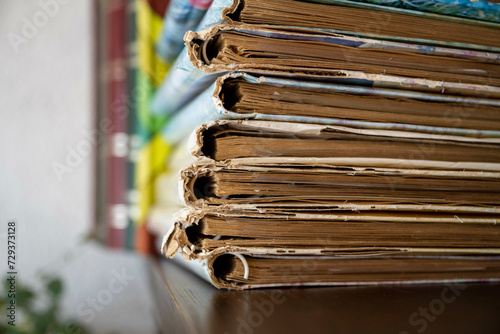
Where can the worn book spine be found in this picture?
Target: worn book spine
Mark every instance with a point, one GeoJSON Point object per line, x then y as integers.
{"type": "Point", "coordinates": [176, 239]}
{"type": "Point", "coordinates": [202, 138]}
{"type": "Point", "coordinates": [379, 10]}
{"type": "Point", "coordinates": [204, 267]}
{"type": "Point", "coordinates": [192, 193]}
{"type": "Point", "coordinates": [197, 44]}
{"type": "Point", "coordinates": [196, 179]}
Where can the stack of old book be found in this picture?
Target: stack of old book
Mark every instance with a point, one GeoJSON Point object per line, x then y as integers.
{"type": "Point", "coordinates": [343, 142]}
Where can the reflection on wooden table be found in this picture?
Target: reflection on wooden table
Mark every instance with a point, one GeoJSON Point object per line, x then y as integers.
{"type": "Point", "coordinates": [186, 303]}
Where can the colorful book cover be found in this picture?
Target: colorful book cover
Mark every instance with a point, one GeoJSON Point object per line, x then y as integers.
{"type": "Point", "coordinates": [153, 150]}
{"type": "Point", "coordinates": [182, 15]}
{"type": "Point", "coordinates": [159, 6]}
{"type": "Point", "coordinates": [150, 155]}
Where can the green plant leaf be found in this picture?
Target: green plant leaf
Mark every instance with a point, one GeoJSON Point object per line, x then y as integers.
{"type": "Point", "coordinates": [55, 287]}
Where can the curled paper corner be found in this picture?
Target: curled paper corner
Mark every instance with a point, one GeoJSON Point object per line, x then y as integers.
{"type": "Point", "coordinates": [170, 243]}
{"type": "Point", "coordinates": [245, 264]}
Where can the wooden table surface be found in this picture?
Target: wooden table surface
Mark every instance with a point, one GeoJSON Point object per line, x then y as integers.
{"type": "Point", "coordinates": [186, 303]}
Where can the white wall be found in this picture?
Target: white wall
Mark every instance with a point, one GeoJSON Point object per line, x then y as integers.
{"type": "Point", "coordinates": [45, 107]}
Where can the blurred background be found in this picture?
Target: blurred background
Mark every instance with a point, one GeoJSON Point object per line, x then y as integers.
{"type": "Point", "coordinates": [46, 110]}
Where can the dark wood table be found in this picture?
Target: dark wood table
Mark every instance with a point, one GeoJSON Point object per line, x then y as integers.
{"type": "Point", "coordinates": [186, 303]}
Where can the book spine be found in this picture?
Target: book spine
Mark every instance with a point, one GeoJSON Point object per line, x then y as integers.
{"type": "Point", "coordinates": [159, 6]}
{"type": "Point", "coordinates": [117, 116]}
{"type": "Point", "coordinates": [142, 136]}
{"type": "Point", "coordinates": [182, 15]}
{"type": "Point", "coordinates": [182, 84]}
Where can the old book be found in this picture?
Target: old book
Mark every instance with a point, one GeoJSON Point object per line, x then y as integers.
{"type": "Point", "coordinates": [229, 47]}
{"type": "Point", "coordinates": [329, 101]}
{"type": "Point", "coordinates": [303, 232]}
{"type": "Point", "coordinates": [237, 271]}
{"type": "Point", "coordinates": [388, 22]}
{"type": "Point", "coordinates": [264, 141]}
{"type": "Point", "coordinates": [256, 268]}
{"type": "Point", "coordinates": [294, 184]}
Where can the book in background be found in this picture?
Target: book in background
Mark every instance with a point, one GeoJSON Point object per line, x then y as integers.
{"type": "Point", "coordinates": [147, 156]}
{"type": "Point", "coordinates": [182, 16]}
{"type": "Point", "coordinates": [133, 155]}
{"type": "Point", "coordinates": [154, 65]}
{"type": "Point", "coordinates": [117, 113]}
{"type": "Point", "coordinates": [133, 124]}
